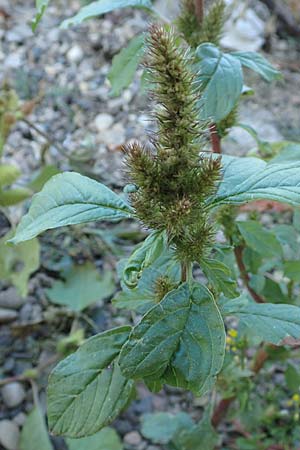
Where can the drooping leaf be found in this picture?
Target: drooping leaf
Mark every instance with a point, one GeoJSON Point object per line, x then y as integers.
{"type": "Point", "coordinates": [248, 179]}
{"type": "Point", "coordinates": [259, 64]}
{"type": "Point", "coordinates": [34, 432]}
{"type": "Point", "coordinates": [43, 176]}
{"type": "Point", "coordinates": [83, 286]}
{"type": "Point", "coordinates": [18, 263]}
{"type": "Point", "coordinates": [125, 64]}
{"type": "Point", "coordinates": [221, 77]}
{"type": "Point", "coordinates": [220, 276]}
{"type": "Point", "coordinates": [260, 240]}
{"type": "Point", "coordinates": [86, 390]}
{"type": "Point", "coordinates": [106, 439]}
{"type": "Point", "coordinates": [160, 428]}
{"type": "Point", "coordinates": [100, 7]}
{"type": "Point", "coordinates": [12, 197]}
{"type": "Point", "coordinates": [8, 174]}
{"type": "Point", "coordinates": [269, 322]}
{"type": "Point", "coordinates": [68, 199]}
{"type": "Point", "coordinates": [41, 6]}
{"type": "Point", "coordinates": [180, 340]}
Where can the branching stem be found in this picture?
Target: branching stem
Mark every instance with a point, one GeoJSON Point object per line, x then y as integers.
{"type": "Point", "coordinates": [238, 252]}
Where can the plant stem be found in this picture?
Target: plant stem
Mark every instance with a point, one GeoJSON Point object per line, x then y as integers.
{"type": "Point", "coordinates": [215, 139]}
{"type": "Point", "coordinates": [199, 10]}
{"type": "Point", "coordinates": [221, 411]}
{"type": "Point", "coordinates": [184, 272]}
{"type": "Point", "coordinates": [238, 251]}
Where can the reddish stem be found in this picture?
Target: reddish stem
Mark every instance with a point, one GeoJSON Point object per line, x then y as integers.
{"type": "Point", "coordinates": [221, 411]}
{"type": "Point", "coordinates": [199, 10]}
{"type": "Point", "coordinates": [215, 139]}
{"type": "Point", "coordinates": [238, 251]}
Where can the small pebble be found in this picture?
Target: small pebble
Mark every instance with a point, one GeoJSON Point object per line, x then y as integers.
{"type": "Point", "coordinates": [103, 121]}
{"type": "Point", "coordinates": [7, 315]}
{"type": "Point", "coordinates": [20, 419]}
{"type": "Point", "coordinates": [13, 394]}
{"type": "Point", "coordinates": [9, 434]}
{"type": "Point", "coordinates": [133, 438]}
{"type": "Point", "coordinates": [75, 54]}
{"type": "Point", "coordinates": [11, 299]}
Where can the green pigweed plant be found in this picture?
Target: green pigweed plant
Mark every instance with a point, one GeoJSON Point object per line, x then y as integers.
{"type": "Point", "coordinates": [182, 193]}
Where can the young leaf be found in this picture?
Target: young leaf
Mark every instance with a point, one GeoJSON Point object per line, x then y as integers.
{"type": "Point", "coordinates": [35, 433]}
{"type": "Point", "coordinates": [8, 174]}
{"type": "Point", "coordinates": [18, 263]}
{"type": "Point", "coordinates": [220, 276]}
{"type": "Point", "coordinates": [41, 6]}
{"type": "Point", "coordinates": [221, 77]}
{"type": "Point", "coordinates": [259, 64]}
{"type": "Point", "coordinates": [68, 199]}
{"type": "Point", "coordinates": [106, 439]}
{"type": "Point", "coordinates": [180, 340]}
{"type": "Point", "coordinates": [83, 286]}
{"type": "Point", "coordinates": [42, 177]}
{"type": "Point", "coordinates": [260, 240]}
{"type": "Point", "coordinates": [12, 197]}
{"type": "Point", "coordinates": [160, 428]}
{"type": "Point", "coordinates": [99, 7]}
{"type": "Point", "coordinates": [248, 179]}
{"type": "Point", "coordinates": [86, 390]}
{"type": "Point", "coordinates": [270, 322]}
{"type": "Point", "coordinates": [125, 64]}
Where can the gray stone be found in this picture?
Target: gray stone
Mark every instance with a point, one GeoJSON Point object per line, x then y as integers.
{"type": "Point", "coordinates": [103, 121]}
{"type": "Point", "coordinates": [13, 394]}
{"type": "Point", "coordinates": [7, 315]}
{"type": "Point", "coordinates": [133, 438]}
{"type": "Point", "coordinates": [11, 299]}
{"type": "Point", "coordinates": [20, 419]}
{"type": "Point", "coordinates": [9, 434]}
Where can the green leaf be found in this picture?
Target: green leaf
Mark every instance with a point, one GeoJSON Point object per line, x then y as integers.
{"type": "Point", "coordinates": [181, 339]}
{"type": "Point", "coordinates": [220, 277]}
{"type": "Point", "coordinates": [260, 240]}
{"type": "Point", "coordinates": [68, 199]}
{"type": "Point", "coordinates": [288, 152]}
{"type": "Point", "coordinates": [83, 286]}
{"type": "Point", "coordinates": [41, 6]}
{"type": "Point", "coordinates": [221, 77]}
{"type": "Point", "coordinates": [34, 432]}
{"type": "Point", "coordinates": [249, 179]}
{"type": "Point", "coordinates": [160, 428]}
{"type": "Point", "coordinates": [43, 176]}
{"type": "Point", "coordinates": [12, 197]}
{"type": "Point", "coordinates": [101, 7]}
{"type": "Point", "coordinates": [8, 174]}
{"type": "Point", "coordinates": [259, 64]}
{"type": "Point", "coordinates": [292, 378]}
{"type": "Point", "coordinates": [86, 390]}
{"type": "Point", "coordinates": [125, 64]}
{"type": "Point", "coordinates": [106, 439]}
{"type": "Point", "coordinates": [18, 263]}
{"type": "Point", "coordinates": [194, 437]}
{"type": "Point", "coordinates": [292, 270]}
{"type": "Point", "coordinates": [269, 322]}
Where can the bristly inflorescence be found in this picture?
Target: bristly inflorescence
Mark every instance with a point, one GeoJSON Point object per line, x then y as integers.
{"type": "Point", "coordinates": [173, 181]}
{"type": "Point", "coordinates": [209, 30]}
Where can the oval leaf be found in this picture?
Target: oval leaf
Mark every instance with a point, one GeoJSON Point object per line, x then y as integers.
{"type": "Point", "coordinates": [182, 339]}
{"type": "Point", "coordinates": [259, 64]}
{"type": "Point", "coordinates": [86, 390]}
{"type": "Point", "coordinates": [68, 199]}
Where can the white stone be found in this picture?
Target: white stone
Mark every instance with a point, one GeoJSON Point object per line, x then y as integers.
{"type": "Point", "coordinates": [103, 121]}
{"type": "Point", "coordinates": [13, 394]}
{"type": "Point", "coordinates": [9, 435]}
{"type": "Point", "coordinates": [75, 54]}
{"type": "Point", "coordinates": [133, 438]}
{"type": "Point", "coordinates": [114, 136]}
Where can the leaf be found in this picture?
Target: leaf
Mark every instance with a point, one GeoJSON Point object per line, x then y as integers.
{"type": "Point", "coordinates": [43, 176]}
{"type": "Point", "coordinates": [270, 322]}
{"type": "Point", "coordinates": [86, 390]}
{"type": "Point", "coordinates": [68, 199]}
{"type": "Point", "coordinates": [288, 152]}
{"type": "Point", "coordinates": [41, 6]}
{"type": "Point", "coordinates": [145, 254]}
{"type": "Point", "coordinates": [248, 179]}
{"type": "Point", "coordinates": [181, 339]}
{"type": "Point", "coordinates": [18, 263]}
{"type": "Point", "coordinates": [99, 7]}
{"type": "Point", "coordinates": [292, 378]}
{"type": "Point", "coordinates": [160, 428]}
{"type": "Point", "coordinates": [292, 270]}
{"type": "Point", "coordinates": [106, 439]}
{"type": "Point", "coordinates": [12, 197]}
{"type": "Point", "coordinates": [220, 277]}
{"type": "Point", "coordinates": [194, 437]}
{"type": "Point", "coordinates": [221, 77]}
{"type": "Point", "coordinates": [8, 174]}
{"type": "Point", "coordinates": [34, 432]}
{"type": "Point", "coordinates": [83, 286]}
{"type": "Point", "coordinates": [125, 64]}
{"type": "Point", "coordinates": [260, 240]}
{"type": "Point", "coordinates": [259, 64]}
